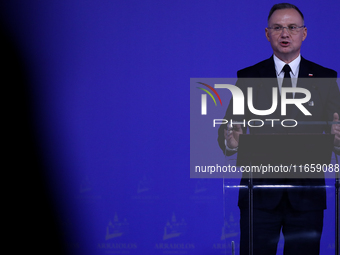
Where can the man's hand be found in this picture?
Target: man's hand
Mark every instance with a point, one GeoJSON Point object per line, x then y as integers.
{"type": "Point", "coordinates": [336, 130]}
{"type": "Point", "coordinates": [231, 134]}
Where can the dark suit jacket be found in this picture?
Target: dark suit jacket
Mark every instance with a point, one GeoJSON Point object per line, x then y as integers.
{"type": "Point", "coordinates": [325, 100]}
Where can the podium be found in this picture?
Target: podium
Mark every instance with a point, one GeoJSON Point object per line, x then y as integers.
{"type": "Point", "coordinates": [311, 157]}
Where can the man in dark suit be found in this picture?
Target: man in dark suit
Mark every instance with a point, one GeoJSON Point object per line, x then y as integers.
{"type": "Point", "coordinates": [297, 211]}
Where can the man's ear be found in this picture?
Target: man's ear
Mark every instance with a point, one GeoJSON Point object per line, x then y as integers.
{"type": "Point", "coordinates": [267, 33]}
{"type": "Point", "coordinates": [304, 33]}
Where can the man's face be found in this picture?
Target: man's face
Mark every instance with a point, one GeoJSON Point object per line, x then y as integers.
{"type": "Point", "coordinates": [286, 45]}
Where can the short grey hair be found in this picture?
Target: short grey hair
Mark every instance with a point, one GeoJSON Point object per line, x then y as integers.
{"type": "Point", "coordinates": [284, 6]}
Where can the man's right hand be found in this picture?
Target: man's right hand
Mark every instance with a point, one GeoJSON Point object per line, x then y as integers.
{"type": "Point", "coordinates": [231, 134]}
{"type": "Point", "coordinates": [336, 130]}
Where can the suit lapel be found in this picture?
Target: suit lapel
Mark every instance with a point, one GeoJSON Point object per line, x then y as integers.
{"type": "Point", "coordinates": [304, 81]}
{"type": "Point", "coordinates": [268, 68]}
{"type": "Point", "coordinates": [267, 82]}
{"type": "Point", "coordinates": [303, 71]}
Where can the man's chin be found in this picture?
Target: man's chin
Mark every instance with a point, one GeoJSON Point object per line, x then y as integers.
{"type": "Point", "coordinates": [285, 50]}
{"type": "Point", "coordinates": [285, 54]}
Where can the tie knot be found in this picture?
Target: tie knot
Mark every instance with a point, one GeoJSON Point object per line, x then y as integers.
{"type": "Point", "coordinates": [286, 68]}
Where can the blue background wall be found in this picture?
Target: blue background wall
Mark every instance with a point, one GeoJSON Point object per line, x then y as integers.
{"type": "Point", "coordinates": [108, 83]}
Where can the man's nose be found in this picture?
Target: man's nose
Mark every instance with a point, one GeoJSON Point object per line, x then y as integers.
{"type": "Point", "coordinates": [285, 32]}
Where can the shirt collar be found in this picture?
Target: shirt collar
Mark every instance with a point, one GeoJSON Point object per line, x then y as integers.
{"type": "Point", "coordinates": [294, 65]}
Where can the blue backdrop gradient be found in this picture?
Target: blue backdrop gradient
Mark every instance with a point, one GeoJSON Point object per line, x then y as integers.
{"type": "Point", "coordinates": [109, 82]}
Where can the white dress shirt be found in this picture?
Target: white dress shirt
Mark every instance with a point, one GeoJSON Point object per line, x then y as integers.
{"type": "Point", "coordinates": [294, 74]}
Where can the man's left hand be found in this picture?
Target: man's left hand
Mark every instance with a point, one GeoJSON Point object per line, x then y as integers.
{"type": "Point", "coordinates": [336, 130]}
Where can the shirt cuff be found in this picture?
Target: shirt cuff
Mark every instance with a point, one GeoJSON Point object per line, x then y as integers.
{"type": "Point", "coordinates": [229, 149]}
{"type": "Point", "coordinates": [337, 149]}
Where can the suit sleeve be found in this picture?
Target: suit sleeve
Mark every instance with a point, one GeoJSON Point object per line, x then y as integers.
{"type": "Point", "coordinates": [333, 106]}
{"type": "Point", "coordinates": [229, 116]}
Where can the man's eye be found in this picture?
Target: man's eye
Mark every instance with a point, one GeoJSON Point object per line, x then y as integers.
{"type": "Point", "coordinates": [277, 28]}
{"type": "Point", "coordinates": [292, 28]}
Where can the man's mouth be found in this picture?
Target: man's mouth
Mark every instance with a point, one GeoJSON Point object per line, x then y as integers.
{"type": "Point", "coordinates": [284, 43]}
